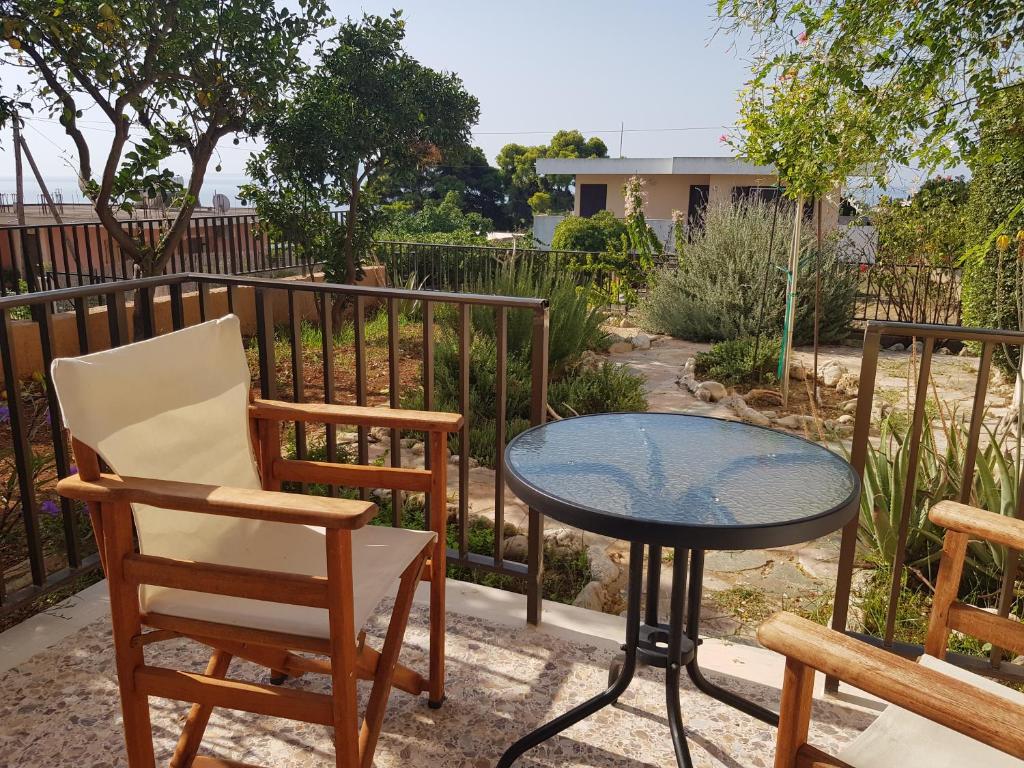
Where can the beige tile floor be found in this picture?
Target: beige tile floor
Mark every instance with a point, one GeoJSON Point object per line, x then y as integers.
{"type": "Point", "coordinates": [60, 707]}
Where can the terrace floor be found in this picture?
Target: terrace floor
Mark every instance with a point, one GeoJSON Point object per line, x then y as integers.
{"type": "Point", "coordinates": [60, 706]}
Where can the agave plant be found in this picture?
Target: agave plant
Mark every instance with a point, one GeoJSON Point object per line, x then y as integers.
{"type": "Point", "coordinates": [994, 487]}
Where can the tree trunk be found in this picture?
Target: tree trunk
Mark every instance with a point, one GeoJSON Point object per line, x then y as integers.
{"type": "Point", "coordinates": [350, 232]}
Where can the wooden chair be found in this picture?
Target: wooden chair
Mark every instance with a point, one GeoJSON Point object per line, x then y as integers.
{"type": "Point", "coordinates": [228, 560]}
{"type": "Point", "coordinates": [940, 716]}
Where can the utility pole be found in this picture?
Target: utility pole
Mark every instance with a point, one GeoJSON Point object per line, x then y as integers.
{"type": "Point", "coordinates": [42, 184]}
{"type": "Point", "coordinates": [19, 173]}
{"type": "Point", "coordinates": [622, 130]}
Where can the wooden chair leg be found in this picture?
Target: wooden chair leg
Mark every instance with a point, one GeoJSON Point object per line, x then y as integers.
{"type": "Point", "coordinates": [198, 716]}
{"type": "Point", "coordinates": [124, 615]}
{"type": "Point", "coordinates": [438, 564]}
{"type": "Point", "coordinates": [375, 708]}
{"type": "Point", "coordinates": [343, 645]}
{"type": "Point", "coordinates": [794, 713]}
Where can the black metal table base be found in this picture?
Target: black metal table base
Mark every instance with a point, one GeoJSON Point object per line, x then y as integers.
{"type": "Point", "coordinates": [650, 642]}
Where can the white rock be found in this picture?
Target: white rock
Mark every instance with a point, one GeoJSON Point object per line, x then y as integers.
{"type": "Point", "coordinates": [830, 373]}
{"type": "Point", "coordinates": [745, 412]}
{"type": "Point", "coordinates": [603, 569]}
{"type": "Point", "coordinates": [797, 371]}
{"type": "Point", "coordinates": [417, 449]}
{"type": "Point", "coordinates": [845, 419]}
{"type": "Point", "coordinates": [620, 347]}
{"type": "Point", "coordinates": [591, 597]}
{"type": "Point", "coordinates": [943, 351]}
{"type": "Point", "coordinates": [919, 347]}
{"type": "Point", "coordinates": [792, 421]}
{"type": "Point", "coordinates": [516, 548]}
{"type": "Point", "coordinates": [848, 385]}
{"type": "Point", "coordinates": [711, 391]}
{"type": "Point", "coordinates": [897, 348]}
{"type": "Point", "coordinates": [377, 434]}
{"type": "Point", "coordinates": [850, 406]}
{"type": "Point", "coordinates": [641, 341]}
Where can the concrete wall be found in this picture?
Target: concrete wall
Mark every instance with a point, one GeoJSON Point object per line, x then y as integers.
{"type": "Point", "coordinates": [667, 193]}
{"type": "Point", "coordinates": [29, 356]}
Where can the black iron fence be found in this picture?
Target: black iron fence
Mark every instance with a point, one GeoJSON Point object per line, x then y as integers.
{"type": "Point", "coordinates": [45, 542]}
{"type": "Point", "coordinates": [908, 293]}
{"type": "Point", "coordinates": [51, 256]}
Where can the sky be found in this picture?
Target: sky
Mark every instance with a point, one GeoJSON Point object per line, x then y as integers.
{"type": "Point", "coordinates": [655, 66]}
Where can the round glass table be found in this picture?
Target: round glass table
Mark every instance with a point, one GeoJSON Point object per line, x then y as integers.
{"type": "Point", "coordinates": [692, 483]}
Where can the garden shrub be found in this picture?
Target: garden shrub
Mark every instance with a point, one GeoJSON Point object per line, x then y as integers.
{"type": "Point", "coordinates": [575, 327]}
{"type": "Point", "coordinates": [593, 233]}
{"type": "Point", "coordinates": [606, 387]}
{"type": "Point", "coordinates": [718, 289]}
{"type": "Point", "coordinates": [992, 278]}
{"type": "Point", "coordinates": [732, 362]}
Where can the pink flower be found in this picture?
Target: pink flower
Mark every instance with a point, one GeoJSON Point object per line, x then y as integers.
{"type": "Point", "coordinates": [802, 38]}
{"type": "Point", "coordinates": [723, 138]}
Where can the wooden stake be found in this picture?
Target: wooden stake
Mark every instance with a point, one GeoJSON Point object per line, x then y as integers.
{"type": "Point", "coordinates": [794, 268]}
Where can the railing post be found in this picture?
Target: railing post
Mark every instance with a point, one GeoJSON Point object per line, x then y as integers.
{"type": "Point", "coordinates": [538, 415]}
{"type": "Point", "coordinates": [265, 342]}
{"type": "Point", "coordinates": [23, 457]}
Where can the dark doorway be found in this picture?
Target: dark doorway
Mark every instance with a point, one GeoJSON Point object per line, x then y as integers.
{"type": "Point", "coordinates": [696, 207]}
{"type": "Point", "coordinates": [593, 198]}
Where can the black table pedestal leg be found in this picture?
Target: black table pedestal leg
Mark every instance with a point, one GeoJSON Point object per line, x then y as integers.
{"type": "Point", "coordinates": [589, 707]}
{"type": "Point", "coordinates": [675, 660]}
{"type": "Point", "coordinates": [693, 668]}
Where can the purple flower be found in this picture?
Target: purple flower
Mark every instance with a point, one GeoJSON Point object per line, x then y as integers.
{"type": "Point", "coordinates": [50, 507]}
{"type": "Point", "coordinates": [5, 414]}
{"type": "Point", "coordinates": [73, 469]}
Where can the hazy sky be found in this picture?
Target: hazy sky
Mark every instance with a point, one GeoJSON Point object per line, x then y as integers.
{"type": "Point", "coordinates": [537, 67]}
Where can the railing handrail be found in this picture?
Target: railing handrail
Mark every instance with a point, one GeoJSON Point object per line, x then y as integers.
{"type": "Point", "coordinates": [936, 331]}
{"type": "Point", "coordinates": [97, 222]}
{"type": "Point", "coordinates": [121, 286]}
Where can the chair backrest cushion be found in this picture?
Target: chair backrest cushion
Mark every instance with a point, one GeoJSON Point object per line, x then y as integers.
{"type": "Point", "coordinates": [901, 738]}
{"type": "Point", "coordinates": [174, 407]}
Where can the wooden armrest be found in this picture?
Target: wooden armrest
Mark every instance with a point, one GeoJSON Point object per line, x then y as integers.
{"type": "Point", "coordinates": [953, 703]}
{"type": "Point", "coordinates": [360, 416]}
{"type": "Point", "coordinates": [989, 526]}
{"type": "Point", "coordinates": [248, 503]}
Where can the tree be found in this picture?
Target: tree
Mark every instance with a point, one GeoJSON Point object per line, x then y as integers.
{"type": "Point", "coordinates": [907, 75]}
{"type": "Point", "coordinates": [182, 75]}
{"type": "Point", "coordinates": [929, 228]}
{"type": "Point", "coordinates": [435, 222]}
{"type": "Point", "coordinates": [463, 170]}
{"type": "Point", "coordinates": [593, 233]}
{"type": "Point", "coordinates": [518, 166]}
{"type": "Point", "coordinates": [993, 281]}
{"type": "Point", "coordinates": [368, 108]}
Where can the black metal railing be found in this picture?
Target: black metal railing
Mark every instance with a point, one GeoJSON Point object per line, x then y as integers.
{"type": "Point", "coordinates": [48, 540]}
{"type": "Point", "coordinates": [51, 256]}
{"type": "Point", "coordinates": [908, 293]}
{"type": "Point", "coordinates": [925, 434]}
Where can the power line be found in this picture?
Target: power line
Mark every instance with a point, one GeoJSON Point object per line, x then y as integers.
{"type": "Point", "coordinates": [610, 130]}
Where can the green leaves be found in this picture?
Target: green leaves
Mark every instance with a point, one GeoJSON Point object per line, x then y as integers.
{"type": "Point", "coordinates": [873, 80]}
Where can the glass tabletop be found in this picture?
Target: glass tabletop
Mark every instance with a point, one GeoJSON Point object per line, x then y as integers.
{"type": "Point", "coordinates": [664, 478]}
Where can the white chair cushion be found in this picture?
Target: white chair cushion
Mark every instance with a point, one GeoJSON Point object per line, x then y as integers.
{"type": "Point", "coordinates": [175, 407]}
{"type": "Point", "coordinates": [901, 738]}
{"type": "Point", "coordinates": [379, 555]}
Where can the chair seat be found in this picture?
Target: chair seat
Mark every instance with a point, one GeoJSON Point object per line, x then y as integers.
{"type": "Point", "coordinates": [899, 737]}
{"type": "Point", "coordinates": [379, 555]}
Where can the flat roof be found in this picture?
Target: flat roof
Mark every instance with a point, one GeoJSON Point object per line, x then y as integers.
{"type": "Point", "coordinates": [651, 166]}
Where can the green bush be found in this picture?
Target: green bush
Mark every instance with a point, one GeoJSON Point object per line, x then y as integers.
{"type": "Point", "coordinates": [603, 389]}
{"type": "Point", "coordinates": [939, 477]}
{"type": "Point", "coordinates": [593, 233]}
{"type": "Point", "coordinates": [575, 327]}
{"type": "Point", "coordinates": [732, 362]}
{"type": "Point", "coordinates": [718, 289]}
{"type": "Point", "coordinates": [991, 292]}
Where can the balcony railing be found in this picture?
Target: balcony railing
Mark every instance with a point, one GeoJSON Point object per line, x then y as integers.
{"type": "Point", "coordinates": [902, 513]}
{"type": "Point", "coordinates": [50, 540]}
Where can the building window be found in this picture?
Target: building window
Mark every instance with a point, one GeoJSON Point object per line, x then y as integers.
{"type": "Point", "coordinates": [769, 195]}
{"type": "Point", "coordinates": [593, 198]}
